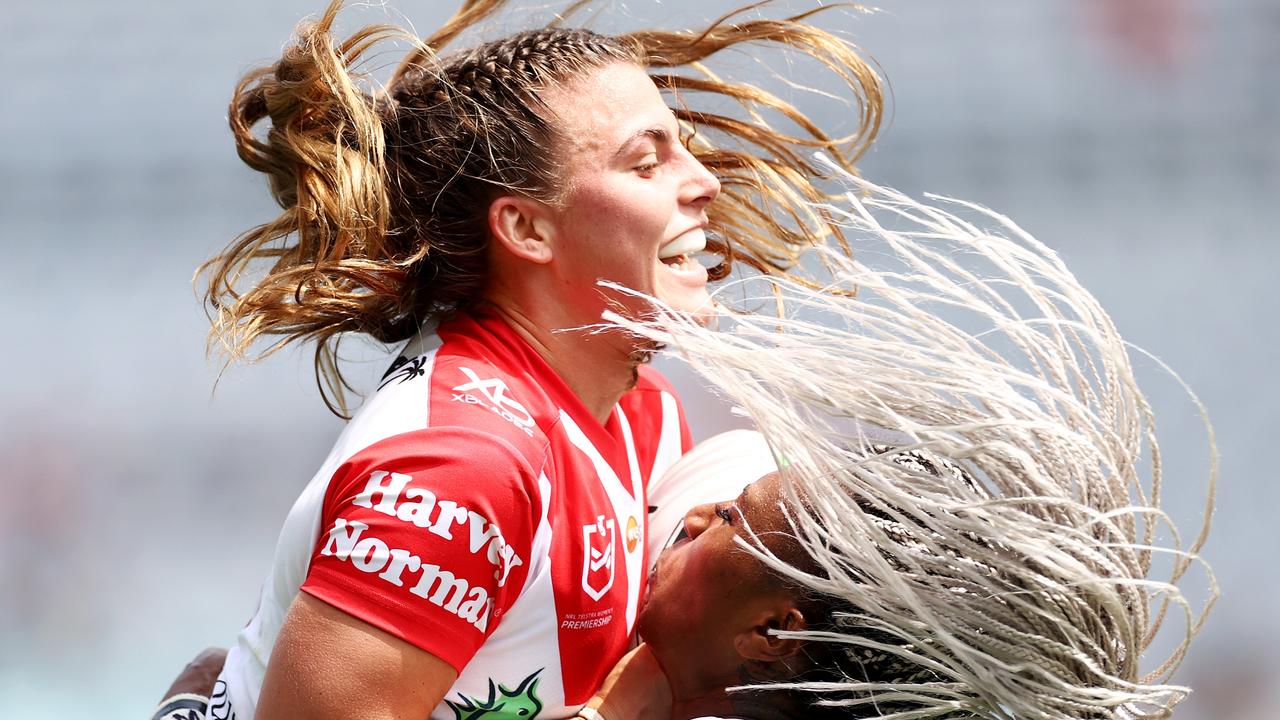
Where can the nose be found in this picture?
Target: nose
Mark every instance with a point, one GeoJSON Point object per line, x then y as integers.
{"type": "Point", "coordinates": [698, 519]}
{"type": "Point", "coordinates": [702, 186]}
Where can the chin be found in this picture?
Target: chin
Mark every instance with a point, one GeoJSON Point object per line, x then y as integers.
{"type": "Point", "coordinates": [649, 619]}
{"type": "Point", "coordinates": [706, 313]}
{"type": "Point", "coordinates": [700, 308]}
{"type": "Point", "coordinates": [648, 633]}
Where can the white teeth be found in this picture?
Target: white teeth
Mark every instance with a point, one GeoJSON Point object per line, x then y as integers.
{"type": "Point", "coordinates": [691, 242]}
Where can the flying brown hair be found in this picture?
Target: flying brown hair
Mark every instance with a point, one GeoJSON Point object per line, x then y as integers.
{"type": "Point", "coordinates": [385, 190]}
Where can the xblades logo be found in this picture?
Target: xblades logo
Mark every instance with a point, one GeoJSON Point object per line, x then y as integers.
{"type": "Point", "coordinates": [492, 394]}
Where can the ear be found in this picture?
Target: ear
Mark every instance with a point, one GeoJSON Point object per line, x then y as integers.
{"type": "Point", "coordinates": [523, 227]}
{"type": "Point", "coordinates": [759, 644]}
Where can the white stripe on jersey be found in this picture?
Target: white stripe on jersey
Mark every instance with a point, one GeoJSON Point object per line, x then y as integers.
{"type": "Point", "coordinates": [625, 504]}
{"type": "Point", "coordinates": [635, 560]}
{"type": "Point", "coordinates": [670, 444]}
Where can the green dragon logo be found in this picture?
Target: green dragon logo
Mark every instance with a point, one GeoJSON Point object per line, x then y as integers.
{"type": "Point", "coordinates": [503, 703]}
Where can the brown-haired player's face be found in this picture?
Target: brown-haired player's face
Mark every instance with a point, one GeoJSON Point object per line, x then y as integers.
{"type": "Point", "coordinates": [633, 208]}
{"type": "Point", "coordinates": [707, 595]}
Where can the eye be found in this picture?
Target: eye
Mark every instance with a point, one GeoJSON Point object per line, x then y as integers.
{"type": "Point", "coordinates": [725, 513]}
{"type": "Point", "coordinates": [647, 168]}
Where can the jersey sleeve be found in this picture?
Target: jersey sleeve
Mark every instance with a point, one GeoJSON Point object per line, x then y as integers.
{"type": "Point", "coordinates": [426, 535]}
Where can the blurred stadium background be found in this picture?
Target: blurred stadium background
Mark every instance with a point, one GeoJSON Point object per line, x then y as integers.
{"type": "Point", "coordinates": [1141, 138]}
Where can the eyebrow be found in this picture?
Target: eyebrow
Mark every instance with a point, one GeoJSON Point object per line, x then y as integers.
{"type": "Point", "coordinates": [658, 134]}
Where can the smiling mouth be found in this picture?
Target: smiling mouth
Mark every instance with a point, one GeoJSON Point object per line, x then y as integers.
{"type": "Point", "coordinates": [678, 254]}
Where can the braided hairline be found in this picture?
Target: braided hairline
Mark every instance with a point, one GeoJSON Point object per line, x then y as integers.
{"type": "Point", "coordinates": [519, 64]}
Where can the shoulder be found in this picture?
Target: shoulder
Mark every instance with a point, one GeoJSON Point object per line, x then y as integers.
{"type": "Point", "coordinates": [476, 393]}
{"type": "Point", "coordinates": [466, 467]}
{"type": "Point", "coordinates": [440, 479]}
{"type": "Point", "coordinates": [656, 418]}
{"type": "Point", "coordinates": [652, 392]}
{"type": "Point", "coordinates": [457, 382]}
{"type": "Point", "coordinates": [653, 396]}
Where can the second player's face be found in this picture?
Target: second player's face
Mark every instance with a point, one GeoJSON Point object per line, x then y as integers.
{"type": "Point", "coordinates": [706, 590]}
{"type": "Point", "coordinates": [633, 206]}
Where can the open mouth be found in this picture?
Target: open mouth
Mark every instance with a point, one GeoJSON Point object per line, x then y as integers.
{"type": "Point", "coordinates": [678, 254]}
{"type": "Point", "coordinates": [681, 262]}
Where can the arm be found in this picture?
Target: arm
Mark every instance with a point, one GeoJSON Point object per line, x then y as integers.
{"type": "Point", "coordinates": [328, 664]}
{"type": "Point", "coordinates": [411, 564]}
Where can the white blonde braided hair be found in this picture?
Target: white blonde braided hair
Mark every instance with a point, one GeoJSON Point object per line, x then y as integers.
{"type": "Point", "coordinates": [1019, 584]}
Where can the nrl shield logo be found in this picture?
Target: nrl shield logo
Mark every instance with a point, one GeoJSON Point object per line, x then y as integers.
{"type": "Point", "coordinates": [598, 541]}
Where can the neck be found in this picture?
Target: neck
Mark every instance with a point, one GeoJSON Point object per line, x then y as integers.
{"type": "Point", "coordinates": [746, 704]}
{"type": "Point", "coordinates": [706, 696]}
{"type": "Point", "coordinates": [594, 365]}
{"type": "Point", "coordinates": [701, 693]}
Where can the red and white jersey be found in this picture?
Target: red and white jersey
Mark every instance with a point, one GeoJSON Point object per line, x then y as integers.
{"type": "Point", "coordinates": [475, 509]}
